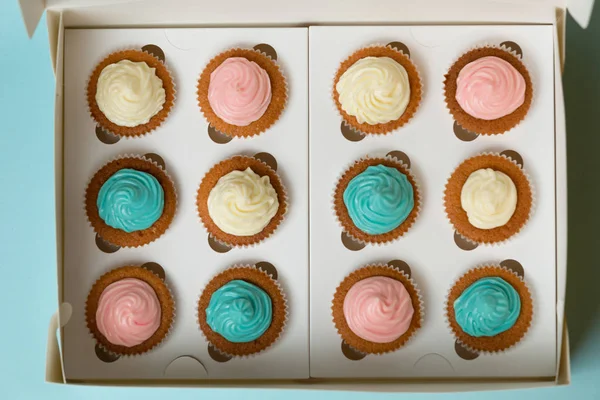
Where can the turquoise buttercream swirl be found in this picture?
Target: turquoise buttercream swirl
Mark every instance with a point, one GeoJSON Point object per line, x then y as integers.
{"type": "Point", "coordinates": [379, 199]}
{"type": "Point", "coordinates": [130, 200]}
{"type": "Point", "coordinates": [239, 311]}
{"type": "Point", "coordinates": [488, 307]}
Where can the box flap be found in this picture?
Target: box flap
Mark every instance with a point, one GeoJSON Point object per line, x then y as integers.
{"type": "Point", "coordinates": [115, 12]}
{"type": "Point", "coordinates": [55, 371]}
{"type": "Point", "coordinates": [563, 377]}
{"type": "Point", "coordinates": [269, 12]}
{"type": "Point", "coordinates": [31, 11]}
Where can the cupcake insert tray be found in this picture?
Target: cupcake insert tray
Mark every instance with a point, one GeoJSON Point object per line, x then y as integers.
{"type": "Point", "coordinates": [429, 248]}
{"type": "Point", "coordinates": [189, 149]}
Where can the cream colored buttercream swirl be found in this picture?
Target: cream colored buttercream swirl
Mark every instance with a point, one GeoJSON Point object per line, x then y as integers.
{"type": "Point", "coordinates": [375, 90]}
{"type": "Point", "coordinates": [129, 93]}
{"type": "Point", "coordinates": [489, 198]}
{"type": "Point", "coordinates": [242, 203]}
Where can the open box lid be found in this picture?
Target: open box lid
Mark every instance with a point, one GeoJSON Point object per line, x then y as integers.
{"type": "Point", "coordinates": [269, 12]}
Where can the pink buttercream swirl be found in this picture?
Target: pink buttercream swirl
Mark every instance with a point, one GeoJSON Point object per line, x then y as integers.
{"type": "Point", "coordinates": [128, 312]}
{"type": "Point", "coordinates": [378, 309]}
{"type": "Point", "coordinates": [239, 91]}
{"type": "Point", "coordinates": [489, 88]}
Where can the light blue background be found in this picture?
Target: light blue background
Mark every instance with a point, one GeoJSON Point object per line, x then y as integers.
{"type": "Point", "coordinates": [27, 237]}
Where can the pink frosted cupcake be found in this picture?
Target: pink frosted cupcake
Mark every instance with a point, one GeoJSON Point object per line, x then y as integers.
{"type": "Point", "coordinates": [129, 310]}
{"type": "Point", "coordinates": [242, 92]}
{"type": "Point", "coordinates": [377, 309]}
{"type": "Point", "coordinates": [488, 90]}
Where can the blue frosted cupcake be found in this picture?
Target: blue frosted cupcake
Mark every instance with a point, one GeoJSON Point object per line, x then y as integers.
{"type": "Point", "coordinates": [377, 200]}
{"type": "Point", "coordinates": [242, 311]}
{"type": "Point", "coordinates": [130, 201]}
{"type": "Point", "coordinates": [489, 309]}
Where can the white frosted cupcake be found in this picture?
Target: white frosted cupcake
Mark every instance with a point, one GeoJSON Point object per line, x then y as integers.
{"type": "Point", "coordinates": [241, 201]}
{"type": "Point", "coordinates": [377, 90]}
{"type": "Point", "coordinates": [488, 198]}
{"type": "Point", "coordinates": [130, 93]}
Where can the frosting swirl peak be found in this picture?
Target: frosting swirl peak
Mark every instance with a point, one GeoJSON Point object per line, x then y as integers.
{"type": "Point", "coordinates": [379, 199]}
{"type": "Point", "coordinates": [378, 309]}
{"type": "Point", "coordinates": [239, 311]}
{"type": "Point", "coordinates": [130, 200]}
{"type": "Point", "coordinates": [488, 307]}
{"type": "Point", "coordinates": [129, 93]}
{"type": "Point", "coordinates": [242, 203]}
{"type": "Point", "coordinates": [489, 198]}
{"type": "Point", "coordinates": [239, 91]}
{"type": "Point", "coordinates": [490, 88]}
{"type": "Point", "coordinates": [128, 312]}
{"type": "Point", "coordinates": [375, 90]}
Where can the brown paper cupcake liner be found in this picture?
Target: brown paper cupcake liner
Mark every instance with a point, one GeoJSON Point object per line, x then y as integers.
{"type": "Point", "coordinates": [341, 213]}
{"type": "Point", "coordinates": [279, 93]}
{"type": "Point", "coordinates": [358, 343]}
{"type": "Point", "coordinates": [261, 279]}
{"type": "Point", "coordinates": [162, 71]}
{"type": "Point", "coordinates": [415, 81]}
{"type": "Point", "coordinates": [457, 217]}
{"type": "Point", "coordinates": [480, 126]}
{"type": "Point", "coordinates": [504, 340]}
{"type": "Point", "coordinates": [117, 236]}
{"type": "Point", "coordinates": [209, 181]}
{"type": "Point", "coordinates": [164, 294]}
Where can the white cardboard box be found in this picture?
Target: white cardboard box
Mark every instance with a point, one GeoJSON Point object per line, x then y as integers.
{"type": "Point", "coordinates": [63, 14]}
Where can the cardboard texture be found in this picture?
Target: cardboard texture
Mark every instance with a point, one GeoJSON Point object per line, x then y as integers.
{"type": "Point", "coordinates": [183, 251]}
{"type": "Point", "coordinates": [62, 14]}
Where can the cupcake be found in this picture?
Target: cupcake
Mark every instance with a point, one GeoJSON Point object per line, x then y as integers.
{"type": "Point", "coordinates": [377, 309]}
{"type": "Point", "coordinates": [242, 92]}
{"type": "Point", "coordinates": [489, 309]}
{"type": "Point", "coordinates": [130, 93]}
{"type": "Point", "coordinates": [377, 90]}
{"type": "Point", "coordinates": [241, 201]}
{"type": "Point", "coordinates": [488, 198]}
{"type": "Point", "coordinates": [130, 201]}
{"type": "Point", "coordinates": [376, 200]}
{"type": "Point", "coordinates": [129, 310]}
{"type": "Point", "coordinates": [242, 311]}
{"type": "Point", "coordinates": [488, 90]}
